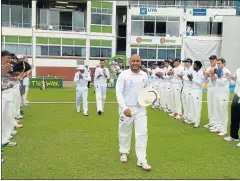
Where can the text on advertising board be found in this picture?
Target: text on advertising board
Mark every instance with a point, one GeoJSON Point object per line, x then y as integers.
{"type": "Point", "coordinates": [163, 40]}
{"type": "Point", "coordinates": [139, 40]}
{"type": "Point", "coordinates": [144, 11]}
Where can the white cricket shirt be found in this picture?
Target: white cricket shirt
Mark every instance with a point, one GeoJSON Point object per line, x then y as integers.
{"type": "Point", "coordinates": [177, 70]}
{"type": "Point", "coordinates": [102, 80]}
{"type": "Point", "coordinates": [223, 83]}
{"type": "Point", "coordinates": [82, 83]}
{"type": "Point", "coordinates": [186, 82]}
{"type": "Point", "coordinates": [237, 86]}
{"type": "Point", "coordinates": [128, 86]}
{"type": "Point", "coordinates": [197, 81]}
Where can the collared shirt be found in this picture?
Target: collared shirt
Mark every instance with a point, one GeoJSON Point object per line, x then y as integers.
{"type": "Point", "coordinates": [154, 77]}
{"type": "Point", "coordinates": [82, 83]}
{"type": "Point", "coordinates": [186, 82]}
{"type": "Point", "coordinates": [102, 80]}
{"type": "Point", "coordinates": [223, 83]}
{"type": "Point", "coordinates": [237, 86]}
{"type": "Point", "coordinates": [128, 86]}
{"type": "Point", "coordinates": [177, 71]}
{"type": "Point", "coordinates": [210, 83]}
{"type": "Point", "coordinates": [197, 80]}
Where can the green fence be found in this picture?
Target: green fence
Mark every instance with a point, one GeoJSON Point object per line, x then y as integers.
{"type": "Point", "coordinates": [49, 82]}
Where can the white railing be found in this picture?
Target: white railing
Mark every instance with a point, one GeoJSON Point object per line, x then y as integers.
{"type": "Point", "coordinates": [16, 25]}
{"type": "Point", "coordinates": [60, 28]}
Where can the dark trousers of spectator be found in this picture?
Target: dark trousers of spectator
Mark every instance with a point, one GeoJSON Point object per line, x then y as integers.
{"type": "Point", "coordinates": [89, 84]}
{"type": "Point", "coordinates": [235, 117]}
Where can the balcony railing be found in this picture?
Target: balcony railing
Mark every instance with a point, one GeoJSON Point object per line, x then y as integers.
{"type": "Point", "coordinates": [16, 25]}
{"type": "Point", "coordinates": [60, 28]}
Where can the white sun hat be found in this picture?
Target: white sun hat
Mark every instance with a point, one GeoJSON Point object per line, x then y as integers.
{"type": "Point", "coordinates": [81, 67]}
{"type": "Point", "coordinates": [148, 96]}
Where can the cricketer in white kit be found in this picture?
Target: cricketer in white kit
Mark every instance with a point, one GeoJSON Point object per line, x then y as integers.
{"type": "Point", "coordinates": [167, 102]}
{"type": "Point", "coordinates": [186, 92]}
{"type": "Point", "coordinates": [101, 76]}
{"type": "Point", "coordinates": [161, 85]}
{"type": "Point", "coordinates": [221, 98]}
{"type": "Point", "coordinates": [129, 83]}
{"type": "Point", "coordinates": [210, 90]}
{"type": "Point", "coordinates": [196, 93]}
{"type": "Point", "coordinates": [176, 84]}
{"type": "Point", "coordinates": [81, 79]}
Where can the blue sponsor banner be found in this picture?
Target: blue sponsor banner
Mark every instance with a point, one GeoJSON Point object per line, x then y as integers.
{"type": "Point", "coordinates": [144, 11]}
{"type": "Point", "coordinates": [199, 12]}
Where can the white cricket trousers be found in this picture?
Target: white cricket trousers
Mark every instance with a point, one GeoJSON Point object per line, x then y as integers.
{"type": "Point", "coordinates": [210, 104]}
{"type": "Point", "coordinates": [139, 118]}
{"type": "Point", "coordinates": [82, 92]}
{"type": "Point", "coordinates": [154, 85]}
{"type": "Point", "coordinates": [16, 100]}
{"type": "Point", "coordinates": [186, 102]}
{"type": "Point", "coordinates": [196, 106]}
{"type": "Point", "coordinates": [25, 94]}
{"type": "Point", "coordinates": [101, 91]}
{"type": "Point", "coordinates": [7, 119]}
{"type": "Point", "coordinates": [220, 113]}
{"type": "Point", "coordinates": [176, 95]}
{"type": "Point", "coordinates": [168, 96]}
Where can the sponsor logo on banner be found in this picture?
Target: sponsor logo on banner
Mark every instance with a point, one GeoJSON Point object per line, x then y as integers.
{"type": "Point", "coordinates": [164, 40]}
{"type": "Point", "coordinates": [144, 11]}
{"type": "Point", "coordinates": [140, 39]}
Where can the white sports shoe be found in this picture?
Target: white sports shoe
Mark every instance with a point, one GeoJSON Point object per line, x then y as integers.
{"type": "Point", "coordinates": [172, 114]}
{"type": "Point", "coordinates": [196, 126]}
{"type": "Point", "coordinates": [78, 110]}
{"type": "Point", "coordinates": [123, 158]}
{"type": "Point", "coordinates": [19, 116]}
{"type": "Point", "coordinates": [214, 130]}
{"type": "Point", "coordinates": [85, 114]}
{"type": "Point", "coordinates": [229, 138]}
{"type": "Point", "coordinates": [207, 126]}
{"type": "Point", "coordinates": [238, 145]}
{"type": "Point", "coordinates": [222, 134]}
{"type": "Point", "coordinates": [145, 166]}
{"type": "Point", "coordinates": [14, 133]}
{"type": "Point", "coordinates": [11, 143]}
{"type": "Point", "coordinates": [178, 117]}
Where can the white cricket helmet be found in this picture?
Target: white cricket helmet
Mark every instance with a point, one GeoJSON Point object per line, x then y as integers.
{"type": "Point", "coordinates": [81, 67]}
{"type": "Point", "coordinates": [148, 96]}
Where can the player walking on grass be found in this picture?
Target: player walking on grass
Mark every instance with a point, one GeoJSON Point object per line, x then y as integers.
{"type": "Point", "coordinates": [129, 83]}
{"type": "Point", "coordinates": [81, 78]}
{"type": "Point", "coordinates": [101, 77]}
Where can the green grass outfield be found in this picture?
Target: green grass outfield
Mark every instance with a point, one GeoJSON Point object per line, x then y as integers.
{"type": "Point", "coordinates": [58, 143]}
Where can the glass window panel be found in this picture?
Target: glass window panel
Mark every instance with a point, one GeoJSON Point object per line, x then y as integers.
{"type": "Point", "coordinates": [95, 19]}
{"type": "Point", "coordinates": [54, 19]}
{"type": "Point", "coordinates": [99, 10]}
{"type": "Point", "coordinates": [191, 3]}
{"type": "Point", "coordinates": [93, 10]}
{"type": "Point", "coordinates": [171, 54]}
{"type": "Point", "coordinates": [142, 2]}
{"type": "Point", "coordinates": [137, 28]}
{"type": "Point", "coordinates": [104, 11]}
{"type": "Point", "coordinates": [27, 17]}
{"type": "Point", "coordinates": [24, 49]}
{"type": "Point", "coordinates": [42, 50]}
{"type": "Point", "coordinates": [133, 51]}
{"type": "Point", "coordinates": [202, 3]}
{"type": "Point", "coordinates": [178, 53]}
{"type": "Point", "coordinates": [214, 28]}
{"type": "Point", "coordinates": [172, 28]}
{"type": "Point", "coordinates": [173, 18]}
{"type": "Point", "coordinates": [109, 11]}
{"type": "Point", "coordinates": [67, 51]}
{"type": "Point", "coordinates": [162, 54]}
{"type": "Point", "coordinates": [161, 3]}
{"type": "Point", "coordinates": [211, 3]}
{"type": "Point", "coordinates": [54, 51]}
{"type": "Point", "coordinates": [43, 17]}
{"type": "Point", "coordinates": [137, 17]}
{"type": "Point", "coordinates": [94, 52]}
{"type": "Point", "coordinates": [151, 53]}
{"type": "Point", "coordinates": [149, 18]}
{"type": "Point", "coordinates": [11, 48]}
{"type": "Point", "coordinates": [143, 53]}
{"type": "Point", "coordinates": [80, 51]}
{"type": "Point", "coordinates": [201, 28]}
{"type": "Point", "coordinates": [170, 2]}
{"type": "Point", "coordinates": [134, 2]}
{"type": "Point", "coordinates": [161, 18]}
{"type": "Point", "coordinates": [5, 15]}
{"type": "Point", "coordinates": [78, 19]}
{"type": "Point", "coordinates": [106, 19]}
{"type": "Point", "coordinates": [106, 52]}
{"type": "Point", "coordinates": [16, 16]}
